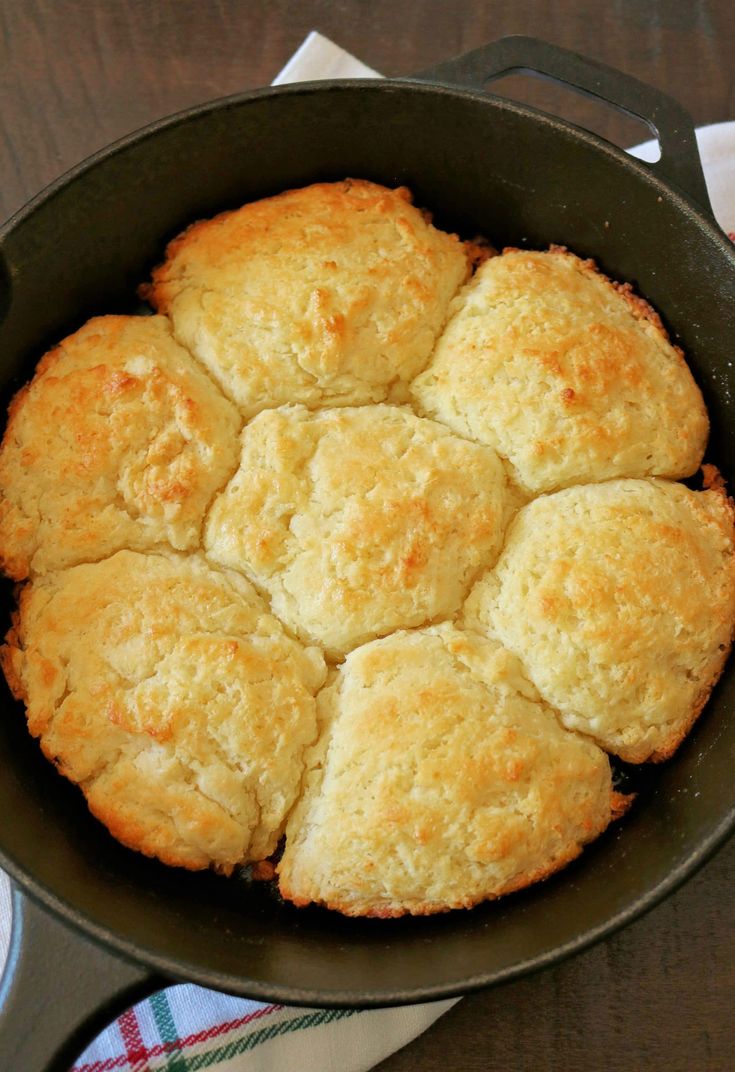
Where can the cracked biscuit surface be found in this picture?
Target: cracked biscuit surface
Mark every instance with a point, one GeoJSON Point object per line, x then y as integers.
{"type": "Point", "coordinates": [619, 598]}
{"type": "Point", "coordinates": [332, 294]}
{"type": "Point", "coordinates": [119, 441]}
{"type": "Point", "coordinates": [167, 691]}
{"type": "Point", "coordinates": [439, 779]}
{"type": "Point", "coordinates": [570, 377]}
{"type": "Point", "coordinates": [358, 521]}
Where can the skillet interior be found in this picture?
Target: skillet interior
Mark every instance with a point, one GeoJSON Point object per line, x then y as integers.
{"type": "Point", "coordinates": [483, 166]}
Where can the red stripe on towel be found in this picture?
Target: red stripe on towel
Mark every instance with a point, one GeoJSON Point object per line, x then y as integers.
{"type": "Point", "coordinates": [135, 1050]}
{"type": "Point", "coordinates": [109, 1064]}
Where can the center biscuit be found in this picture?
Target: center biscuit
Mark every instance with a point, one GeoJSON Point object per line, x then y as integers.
{"type": "Point", "coordinates": [359, 521]}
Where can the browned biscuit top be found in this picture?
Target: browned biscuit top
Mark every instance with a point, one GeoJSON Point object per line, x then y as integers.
{"type": "Point", "coordinates": [358, 521]}
{"type": "Point", "coordinates": [333, 294]}
{"type": "Point", "coordinates": [119, 441]}
{"type": "Point", "coordinates": [440, 779]}
{"type": "Point", "coordinates": [166, 690]}
{"type": "Point", "coordinates": [619, 599]}
{"type": "Point", "coordinates": [570, 377]}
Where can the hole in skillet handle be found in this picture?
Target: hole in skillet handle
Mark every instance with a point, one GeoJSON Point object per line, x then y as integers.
{"type": "Point", "coordinates": [58, 991]}
{"type": "Point", "coordinates": [669, 122]}
{"type": "Point", "coordinates": [586, 112]}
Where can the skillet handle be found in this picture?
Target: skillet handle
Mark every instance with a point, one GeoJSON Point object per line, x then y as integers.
{"type": "Point", "coordinates": [58, 991]}
{"type": "Point", "coordinates": [669, 121]}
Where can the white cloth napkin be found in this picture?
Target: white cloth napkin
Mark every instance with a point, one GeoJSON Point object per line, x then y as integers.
{"type": "Point", "coordinates": [317, 58]}
{"type": "Point", "coordinates": [189, 1028]}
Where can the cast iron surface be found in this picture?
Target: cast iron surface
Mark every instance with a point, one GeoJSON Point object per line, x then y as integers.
{"type": "Point", "coordinates": [483, 165]}
{"type": "Point", "coordinates": [58, 991]}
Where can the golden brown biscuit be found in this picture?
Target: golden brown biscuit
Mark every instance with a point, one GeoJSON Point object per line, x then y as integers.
{"type": "Point", "coordinates": [120, 440]}
{"type": "Point", "coordinates": [166, 690]}
{"type": "Point", "coordinates": [328, 295]}
{"type": "Point", "coordinates": [358, 521]}
{"type": "Point", "coordinates": [440, 779]}
{"type": "Point", "coordinates": [619, 599]}
{"type": "Point", "coordinates": [432, 771]}
{"type": "Point", "coordinates": [570, 377]}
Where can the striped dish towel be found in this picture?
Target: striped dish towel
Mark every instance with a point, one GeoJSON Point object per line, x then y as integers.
{"type": "Point", "coordinates": [187, 1028]}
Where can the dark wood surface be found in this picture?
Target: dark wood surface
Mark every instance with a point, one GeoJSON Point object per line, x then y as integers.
{"type": "Point", "coordinates": [76, 74]}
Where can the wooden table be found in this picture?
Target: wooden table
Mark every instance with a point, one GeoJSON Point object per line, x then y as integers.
{"type": "Point", "coordinates": [76, 74]}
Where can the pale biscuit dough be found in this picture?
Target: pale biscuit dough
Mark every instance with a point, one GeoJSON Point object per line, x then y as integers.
{"type": "Point", "coordinates": [619, 598]}
{"type": "Point", "coordinates": [166, 690]}
{"type": "Point", "coordinates": [329, 295]}
{"type": "Point", "coordinates": [570, 377]}
{"type": "Point", "coordinates": [120, 440]}
{"type": "Point", "coordinates": [358, 521]}
{"type": "Point", "coordinates": [440, 779]}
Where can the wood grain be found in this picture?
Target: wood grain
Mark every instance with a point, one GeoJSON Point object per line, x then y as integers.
{"type": "Point", "coordinates": [657, 996]}
{"type": "Point", "coordinates": [77, 74]}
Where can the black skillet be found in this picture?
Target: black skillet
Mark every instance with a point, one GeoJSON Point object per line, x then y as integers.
{"type": "Point", "coordinates": [483, 165]}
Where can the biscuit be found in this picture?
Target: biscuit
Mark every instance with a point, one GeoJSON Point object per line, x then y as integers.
{"type": "Point", "coordinates": [570, 377]}
{"type": "Point", "coordinates": [329, 295]}
{"type": "Point", "coordinates": [440, 779]}
{"type": "Point", "coordinates": [166, 690]}
{"type": "Point", "coordinates": [358, 521]}
{"type": "Point", "coordinates": [619, 599]}
{"type": "Point", "coordinates": [120, 441]}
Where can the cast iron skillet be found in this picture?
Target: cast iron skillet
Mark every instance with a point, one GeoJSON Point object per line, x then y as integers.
{"type": "Point", "coordinates": [484, 165]}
